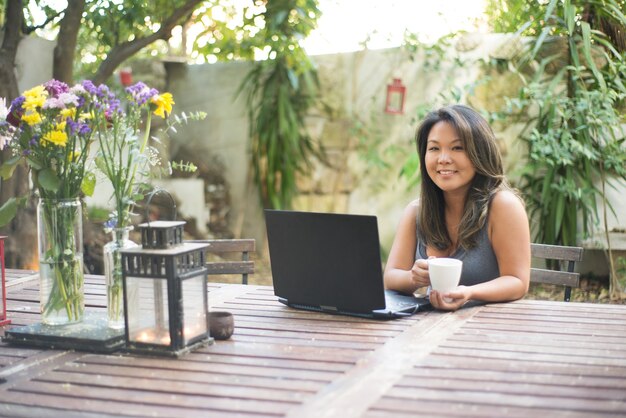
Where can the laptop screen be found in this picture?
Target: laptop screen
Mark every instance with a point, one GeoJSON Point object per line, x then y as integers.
{"type": "Point", "coordinates": [326, 260]}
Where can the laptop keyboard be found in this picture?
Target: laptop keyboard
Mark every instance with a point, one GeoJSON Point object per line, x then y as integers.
{"type": "Point", "coordinates": [398, 305]}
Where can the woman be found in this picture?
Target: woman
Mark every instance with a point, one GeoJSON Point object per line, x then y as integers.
{"type": "Point", "coordinates": [466, 210]}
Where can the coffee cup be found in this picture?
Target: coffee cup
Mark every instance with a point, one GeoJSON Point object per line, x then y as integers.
{"type": "Point", "coordinates": [445, 274]}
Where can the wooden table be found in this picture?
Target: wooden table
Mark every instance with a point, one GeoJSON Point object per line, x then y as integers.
{"type": "Point", "coordinates": [520, 359]}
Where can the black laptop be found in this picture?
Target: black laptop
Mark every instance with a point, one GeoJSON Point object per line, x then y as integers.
{"type": "Point", "coordinates": [331, 263]}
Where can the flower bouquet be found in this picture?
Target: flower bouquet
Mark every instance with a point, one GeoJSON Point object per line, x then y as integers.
{"type": "Point", "coordinates": [50, 128]}
{"type": "Point", "coordinates": [125, 157]}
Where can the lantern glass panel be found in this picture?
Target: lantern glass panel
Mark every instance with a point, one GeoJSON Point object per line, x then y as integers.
{"type": "Point", "coordinates": [395, 101]}
{"type": "Point", "coordinates": [194, 312]}
{"type": "Point", "coordinates": [148, 313]}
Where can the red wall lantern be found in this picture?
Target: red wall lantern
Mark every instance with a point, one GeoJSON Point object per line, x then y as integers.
{"type": "Point", "coordinates": [395, 97]}
{"type": "Point", "coordinates": [3, 300]}
{"type": "Point", "coordinates": [126, 77]}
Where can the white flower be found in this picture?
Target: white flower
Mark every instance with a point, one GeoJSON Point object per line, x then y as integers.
{"type": "Point", "coordinates": [53, 103]}
{"type": "Point", "coordinates": [78, 90]}
{"type": "Point", "coordinates": [69, 98]}
{"type": "Point", "coordinates": [4, 110]}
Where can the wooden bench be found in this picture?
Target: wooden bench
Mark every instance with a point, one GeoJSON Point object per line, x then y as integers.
{"type": "Point", "coordinates": [223, 247]}
{"type": "Point", "coordinates": [559, 255]}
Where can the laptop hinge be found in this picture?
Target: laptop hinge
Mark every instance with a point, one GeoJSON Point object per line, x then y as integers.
{"type": "Point", "coordinates": [328, 308]}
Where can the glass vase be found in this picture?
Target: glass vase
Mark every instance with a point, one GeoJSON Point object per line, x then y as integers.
{"type": "Point", "coordinates": [60, 244]}
{"type": "Point", "coordinates": [113, 275]}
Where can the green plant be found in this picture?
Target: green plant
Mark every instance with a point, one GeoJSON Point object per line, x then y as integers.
{"type": "Point", "coordinates": [572, 99]}
{"type": "Point", "coordinates": [280, 91]}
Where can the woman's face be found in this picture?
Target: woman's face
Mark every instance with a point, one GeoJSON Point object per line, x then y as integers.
{"type": "Point", "coordinates": [447, 163]}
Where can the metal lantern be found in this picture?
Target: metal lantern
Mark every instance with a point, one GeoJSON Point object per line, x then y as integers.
{"type": "Point", "coordinates": [165, 292]}
{"type": "Point", "coordinates": [3, 299]}
{"type": "Point", "coordinates": [395, 97]}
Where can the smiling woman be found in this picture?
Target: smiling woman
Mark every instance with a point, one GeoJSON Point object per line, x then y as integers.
{"type": "Point", "coordinates": [466, 211]}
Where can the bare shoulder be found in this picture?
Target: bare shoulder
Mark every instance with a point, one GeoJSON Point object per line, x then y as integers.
{"type": "Point", "coordinates": [507, 209]}
{"type": "Point", "coordinates": [506, 200]}
{"type": "Point", "coordinates": [411, 208]}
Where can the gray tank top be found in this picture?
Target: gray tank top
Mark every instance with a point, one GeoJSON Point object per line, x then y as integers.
{"type": "Point", "coordinates": [479, 263]}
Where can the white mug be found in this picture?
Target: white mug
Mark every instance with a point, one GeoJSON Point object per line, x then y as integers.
{"type": "Point", "coordinates": [445, 274]}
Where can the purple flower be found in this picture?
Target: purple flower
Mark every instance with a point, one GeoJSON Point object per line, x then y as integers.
{"type": "Point", "coordinates": [56, 87]}
{"type": "Point", "coordinates": [15, 114]}
{"type": "Point", "coordinates": [34, 141]}
{"type": "Point", "coordinates": [26, 152]}
{"type": "Point", "coordinates": [16, 104]}
{"type": "Point", "coordinates": [90, 87]}
{"type": "Point", "coordinates": [103, 91]}
{"type": "Point", "coordinates": [111, 223]}
{"type": "Point", "coordinates": [141, 93]}
{"type": "Point", "coordinates": [79, 128]}
{"type": "Point", "coordinates": [114, 107]}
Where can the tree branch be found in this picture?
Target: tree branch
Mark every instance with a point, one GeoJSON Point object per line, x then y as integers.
{"type": "Point", "coordinates": [27, 30]}
{"type": "Point", "coordinates": [121, 52]}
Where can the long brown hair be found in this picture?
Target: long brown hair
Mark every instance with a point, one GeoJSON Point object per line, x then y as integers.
{"type": "Point", "coordinates": [480, 145]}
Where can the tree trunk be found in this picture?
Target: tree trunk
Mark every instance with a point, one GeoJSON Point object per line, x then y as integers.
{"type": "Point", "coordinates": [20, 247]}
{"type": "Point", "coordinates": [64, 52]}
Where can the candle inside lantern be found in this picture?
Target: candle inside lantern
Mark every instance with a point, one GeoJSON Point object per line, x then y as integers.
{"type": "Point", "coordinates": [150, 336]}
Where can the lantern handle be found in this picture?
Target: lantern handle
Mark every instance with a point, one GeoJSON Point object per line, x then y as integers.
{"type": "Point", "coordinates": [155, 191]}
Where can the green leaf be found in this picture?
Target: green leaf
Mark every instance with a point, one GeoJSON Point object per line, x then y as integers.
{"type": "Point", "coordinates": [570, 16]}
{"type": "Point", "coordinates": [7, 169]}
{"type": "Point", "coordinates": [34, 163]}
{"type": "Point", "coordinates": [88, 184]}
{"type": "Point", "coordinates": [549, 10]}
{"type": "Point", "coordinates": [101, 164]}
{"type": "Point", "coordinates": [587, 53]}
{"type": "Point", "coordinates": [540, 39]}
{"type": "Point", "coordinates": [48, 179]}
{"type": "Point", "coordinates": [9, 209]}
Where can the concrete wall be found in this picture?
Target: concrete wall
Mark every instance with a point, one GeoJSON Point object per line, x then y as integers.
{"type": "Point", "coordinates": [33, 62]}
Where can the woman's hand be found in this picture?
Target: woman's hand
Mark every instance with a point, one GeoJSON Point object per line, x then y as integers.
{"type": "Point", "coordinates": [450, 301]}
{"type": "Point", "coordinates": [419, 273]}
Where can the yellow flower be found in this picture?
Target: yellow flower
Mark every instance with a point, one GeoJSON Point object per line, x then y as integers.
{"type": "Point", "coordinates": [32, 118]}
{"type": "Point", "coordinates": [35, 91]}
{"type": "Point", "coordinates": [60, 126]}
{"type": "Point", "coordinates": [68, 113]}
{"type": "Point", "coordinates": [86, 116]}
{"type": "Point", "coordinates": [56, 137]}
{"type": "Point", "coordinates": [33, 103]}
{"type": "Point", "coordinates": [164, 104]}
{"type": "Point", "coordinates": [74, 155]}
{"type": "Point", "coordinates": [34, 98]}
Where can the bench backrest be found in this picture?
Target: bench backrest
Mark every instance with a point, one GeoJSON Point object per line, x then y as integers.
{"type": "Point", "coordinates": [564, 258]}
{"type": "Point", "coordinates": [222, 247]}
